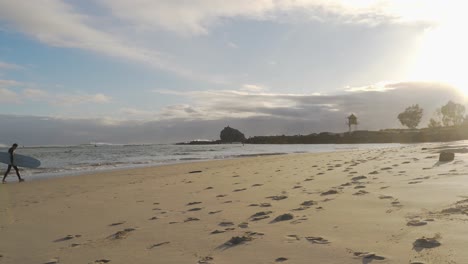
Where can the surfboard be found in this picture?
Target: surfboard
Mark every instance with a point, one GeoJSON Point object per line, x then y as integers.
{"type": "Point", "coordinates": [20, 160]}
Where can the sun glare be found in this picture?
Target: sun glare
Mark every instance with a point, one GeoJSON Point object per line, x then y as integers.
{"type": "Point", "coordinates": [443, 53]}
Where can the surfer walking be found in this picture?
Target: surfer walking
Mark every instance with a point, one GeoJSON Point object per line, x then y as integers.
{"type": "Point", "coordinates": [11, 151]}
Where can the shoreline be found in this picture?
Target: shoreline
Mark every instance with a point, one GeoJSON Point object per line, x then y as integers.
{"type": "Point", "coordinates": [36, 177]}
{"type": "Point", "coordinates": [394, 205]}
{"type": "Point", "coordinates": [58, 164]}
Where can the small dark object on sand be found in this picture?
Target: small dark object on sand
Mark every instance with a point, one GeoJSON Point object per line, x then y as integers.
{"type": "Point", "coordinates": [426, 243]}
{"type": "Point", "coordinates": [102, 261]}
{"type": "Point", "coordinates": [278, 197]}
{"type": "Point", "coordinates": [261, 214]}
{"type": "Point", "coordinates": [190, 219]}
{"type": "Point", "coordinates": [317, 240]}
{"type": "Point", "coordinates": [237, 240]}
{"type": "Point", "coordinates": [159, 244]}
{"type": "Point", "coordinates": [329, 192]}
{"type": "Point", "coordinates": [446, 156]}
{"type": "Point", "coordinates": [280, 259]}
{"type": "Point", "coordinates": [121, 234]}
{"type": "Point", "coordinates": [308, 203]}
{"type": "Point", "coordinates": [198, 171]}
{"type": "Point", "coordinates": [283, 217]}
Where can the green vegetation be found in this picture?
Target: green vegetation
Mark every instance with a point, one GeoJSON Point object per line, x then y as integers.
{"type": "Point", "coordinates": [411, 116]}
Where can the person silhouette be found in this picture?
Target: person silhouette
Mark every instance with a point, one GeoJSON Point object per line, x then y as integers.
{"type": "Point", "coordinates": [11, 151]}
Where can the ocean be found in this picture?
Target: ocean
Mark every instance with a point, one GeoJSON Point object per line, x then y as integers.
{"type": "Point", "coordinates": [57, 161]}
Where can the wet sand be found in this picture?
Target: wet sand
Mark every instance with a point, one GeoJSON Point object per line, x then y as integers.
{"type": "Point", "coordinates": [372, 206]}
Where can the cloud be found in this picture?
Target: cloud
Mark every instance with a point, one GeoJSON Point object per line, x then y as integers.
{"type": "Point", "coordinates": [252, 113]}
{"type": "Point", "coordinates": [368, 102]}
{"type": "Point", "coordinates": [76, 99]}
{"type": "Point", "coordinates": [38, 95]}
{"type": "Point", "coordinates": [35, 94]}
{"type": "Point", "coordinates": [9, 83]}
{"type": "Point", "coordinates": [378, 87]}
{"type": "Point", "coordinates": [252, 88]}
{"type": "Point", "coordinates": [130, 29]}
{"type": "Point", "coordinates": [197, 17]}
{"type": "Point", "coordinates": [58, 23]}
{"type": "Point", "coordinates": [7, 96]}
{"type": "Point", "coordinates": [9, 66]}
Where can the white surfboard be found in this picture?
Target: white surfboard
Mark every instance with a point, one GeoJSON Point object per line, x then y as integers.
{"type": "Point", "coordinates": [20, 160]}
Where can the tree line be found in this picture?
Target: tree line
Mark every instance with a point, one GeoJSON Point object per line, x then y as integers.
{"type": "Point", "coordinates": [450, 114]}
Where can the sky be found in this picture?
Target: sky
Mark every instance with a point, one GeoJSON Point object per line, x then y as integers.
{"type": "Point", "coordinates": [163, 71]}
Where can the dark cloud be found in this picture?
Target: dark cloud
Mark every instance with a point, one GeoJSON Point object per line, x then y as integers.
{"type": "Point", "coordinates": [254, 114]}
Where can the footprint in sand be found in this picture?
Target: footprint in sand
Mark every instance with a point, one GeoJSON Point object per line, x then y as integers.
{"type": "Point", "coordinates": [396, 203]}
{"type": "Point", "coordinates": [293, 237]}
{"type": "Point", "coordinates": [67, 237]}
{"type": "Point", "coordinates": [281, 259]}
{"type": "Point", "coordinates": [52, 261]}
{"type": "Point", "coordinates": [416, 223]}
{"type": "Point", "coordinates": [243, 225]}
{"type": "Point", "coordinates": [357, 178]}
{"type": "Point", "coordinates": [425, 243]}
{"type": "Point", "coordinates": [329, 192]}
{"type": "Point", "coordinates": [191, 219]}
{"type": "Point", "coordinates": [240, 190]}
{"type": "Point", "coordinates": [193, 203]}
{"type": "Point", "coordinates": [194, 209]}
{"type": "Point", "coordinates": [414, 182]}
{"type": "Point", "coordinates": [283, 217]}
{"type": "Point", "coordinates": [367, 256]}
{"type": "Point", "coordinates": [205, 260]}
{"type": "Point", "coordinates": [158, 245]}
{"type": "Point", "coordinates": [260, 216]}
{"type": "Point", "coordinates": [317, 240]}
{"type": "Point", "coordinates": [385, 197]}
{"type": "Point", "coordinates": [118, 223]}
{"type": "Point", "coordinates": [121, 234]}
{"type": "Point", "coordinates": [361, 192]}
{"type": "Point", "coordinates": [277, 197]}
{"type": "Point", "coordinates": [101, 261]}
{"type": "Point", "coordinates": [257, 185]}
{"type": "Point", "coordinates": [226, 223]}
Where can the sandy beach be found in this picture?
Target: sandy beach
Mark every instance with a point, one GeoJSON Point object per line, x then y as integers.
{"type": "Point", "coordinates": [396, 205]}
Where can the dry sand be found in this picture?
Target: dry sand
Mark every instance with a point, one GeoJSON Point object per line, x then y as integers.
{"type": "Point", "coordinates": [373, 206]}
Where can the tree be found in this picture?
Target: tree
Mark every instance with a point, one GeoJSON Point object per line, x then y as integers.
{"type": "Point", "coordinates": [411, 116]}
{"type": "Point", "coordinates": [434, 123]}
{"type": "Point", "coordinates": [452, 114]}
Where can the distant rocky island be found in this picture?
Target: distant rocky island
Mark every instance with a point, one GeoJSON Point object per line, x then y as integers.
{"type": "Point", "coordinates": [228, 135]}
{"type": "Point", "coordinates": [438, 134]}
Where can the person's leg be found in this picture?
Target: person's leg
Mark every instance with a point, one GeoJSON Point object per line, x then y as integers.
{"type": "Point", "coordinates": [18, 174]}
{"type": "Point", "coordinates": [6, 173]}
